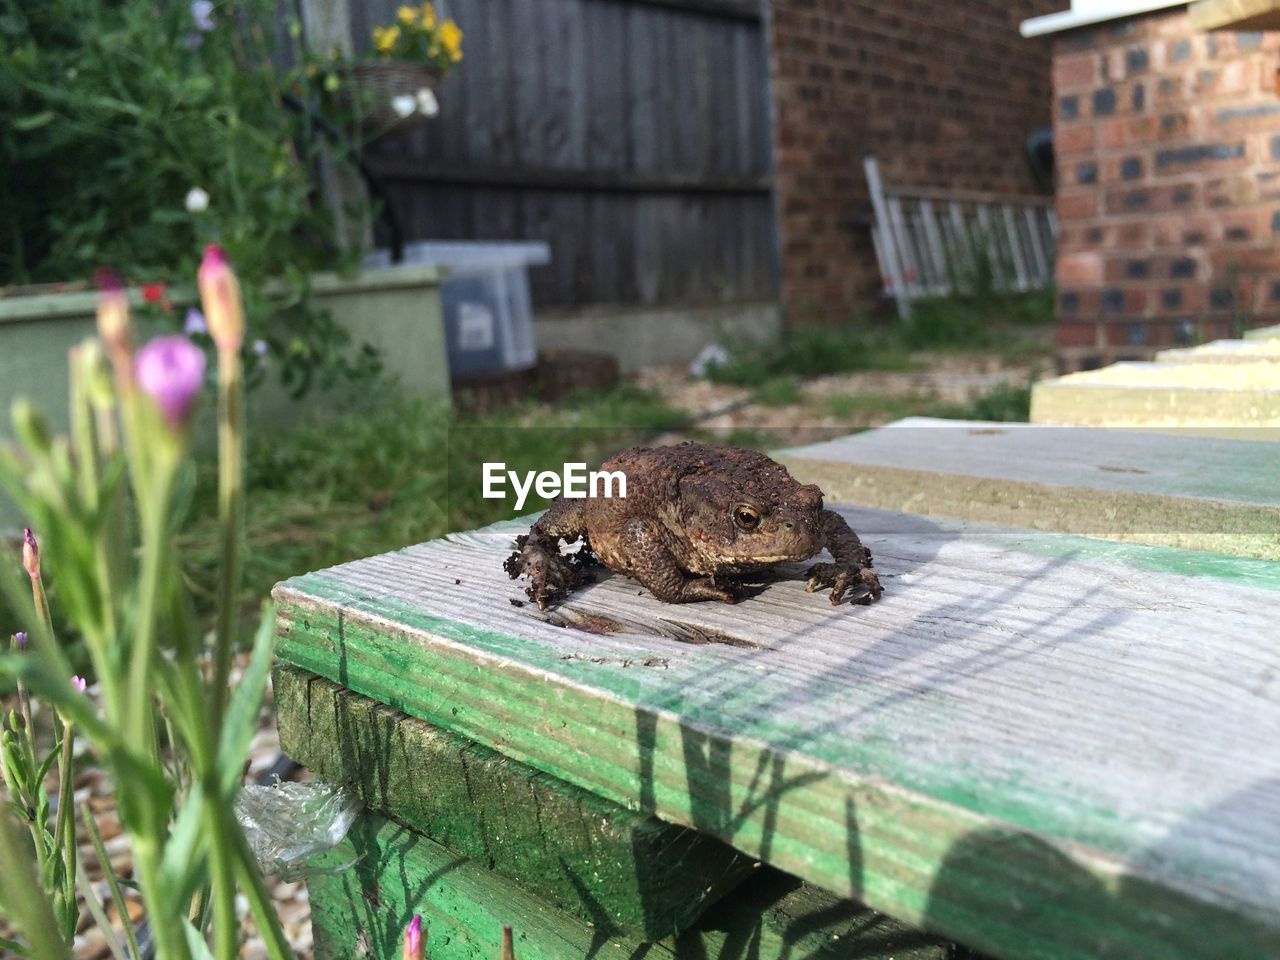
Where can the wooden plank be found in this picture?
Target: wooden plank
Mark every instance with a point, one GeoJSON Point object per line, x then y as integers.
{"type": "Point", "coordinates": [1235, 15]}
{"type": "Point", "coordinates": [1038, 751]}
{"type": "Point", "coordinates": [1209, 398]}
{"type": "Point", "coordinates": [572, 180]}
{"type": "Point", "coordinates": [1181, 491]}
{"type": "Point", "coordinates": [361, 912]}
{"type": "Point", "coordinates": [583, 854]}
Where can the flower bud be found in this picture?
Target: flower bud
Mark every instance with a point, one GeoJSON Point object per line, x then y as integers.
{"type": "Point", "coordinates": [220, 296]}
{"type": "Point", "coordinates": [170, 370]}
{"type": "Point", "coordinates": [413, 941]}
{"type": "Point", "coordinates": [20, 638]}
{"type": "Point", "coordinates": [113, 313]}
{"type": "Point", "coordinates": [30, 554]}
{"type": "Point", "coordinates": [79, 684]}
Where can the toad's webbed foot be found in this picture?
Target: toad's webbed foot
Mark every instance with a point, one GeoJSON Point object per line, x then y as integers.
{"type": "Point", "coordinates": [860, 583]}
{"type": "Point", "coordinates": [552, 576]}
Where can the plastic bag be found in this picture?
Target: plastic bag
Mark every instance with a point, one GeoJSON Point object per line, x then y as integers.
{"type": "Point", "coordinates": [289, 823]}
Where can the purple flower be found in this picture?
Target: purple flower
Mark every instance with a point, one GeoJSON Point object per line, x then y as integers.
{"type": "Point", "coordinates": [78, 684]}
{"type": "Point", "coordinates": [21, 637]}
{"type": "Point", "coordinates": [202, 14]}
{"type": "Point", "coordinates": [170, 370]}
{"type": "Point", "coordinates": [193, 41]}
{"type": "Point", "coordinates": [413, 944]}
{"type": "Point", "coordinates": [260, 347]}
{"type": "Point", "coordinates": [195, 323]}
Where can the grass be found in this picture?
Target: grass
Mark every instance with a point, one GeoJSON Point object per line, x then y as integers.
{"type": "Point", "coordinates": [399, 473]}
{"type": "Point", "coordinates": [1005, 403]}
{"type": "Point", "coordinates": [1004, 326]}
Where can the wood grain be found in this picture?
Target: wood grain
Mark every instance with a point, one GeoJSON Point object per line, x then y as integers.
{"type": "Point", "coordinates": [657, 109]}
{"type": "Point", "coordinates": [1035, 751]}
{"type": "Point", "coordinates": [1172, 490]}
{"type": "Point", "coordinates": [361, 912]}
{"type": "Point", "coordinates": [579, 852]}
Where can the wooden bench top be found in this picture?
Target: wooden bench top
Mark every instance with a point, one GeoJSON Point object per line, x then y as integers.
{"type": "Point", "coordinates": [1165, 489]}
{"type": "Point", "coordinates": [1036, 744]}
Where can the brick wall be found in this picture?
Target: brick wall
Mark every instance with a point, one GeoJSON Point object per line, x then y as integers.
{"type": "Point", "coordinates": [1168, 150]}
{"type": "Point", "coordinates": [944, 94]}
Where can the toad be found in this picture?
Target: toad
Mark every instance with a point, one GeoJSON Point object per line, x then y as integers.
{"type": "Point", "coordinates": [695, 522]}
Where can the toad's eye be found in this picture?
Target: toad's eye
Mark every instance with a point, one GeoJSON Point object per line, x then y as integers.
{"type": "Point", "coordinates": [747, 518]}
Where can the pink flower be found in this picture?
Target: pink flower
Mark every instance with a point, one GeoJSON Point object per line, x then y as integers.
{"type": "Point", "coordinates": [220, 296]}
{"type": "Point", "coordinates": [170, 370]}
{"type": "Point", "coordinates": [78, 684]}
{"type": "Point", "coordinates": [30, 554]}
{"type": "Point", "coordinates": [413, 939]}
{"type": "Point", "coordinates": [153, 292]}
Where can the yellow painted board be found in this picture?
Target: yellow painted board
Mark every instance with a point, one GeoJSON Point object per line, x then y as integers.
{"type": "Point", "coordinates": [1225, 351]}
{"type": "Point", "coordinates": [1235, 15]}
{"type": "Point", "coordinates": [1201, 396]}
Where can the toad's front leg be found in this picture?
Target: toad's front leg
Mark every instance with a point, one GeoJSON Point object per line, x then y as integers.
{"type": "Point", "coordinates": [851, 574]}
{"type": "Point", "coordinates": [650, 562]}
{"type": "Point", "coordinates": [552, 575]}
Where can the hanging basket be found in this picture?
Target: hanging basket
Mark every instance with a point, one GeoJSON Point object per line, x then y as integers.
{"type": "Point", "coordinates": [369, 89]}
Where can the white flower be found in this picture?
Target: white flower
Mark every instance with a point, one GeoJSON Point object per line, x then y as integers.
{"type": "Point", "coordinates": [197, 200]}
{"type": "Point", "coordinates": [428, 105]}
{"type": "Point", "coordinates": [404, 104]}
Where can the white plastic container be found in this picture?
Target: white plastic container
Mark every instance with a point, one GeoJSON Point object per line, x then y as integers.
{"type": "Point", "coordinates": [488, 312]}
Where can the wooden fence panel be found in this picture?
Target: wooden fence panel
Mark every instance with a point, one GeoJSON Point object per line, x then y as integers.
{"type": "Point", "coordinates": [632, 135]}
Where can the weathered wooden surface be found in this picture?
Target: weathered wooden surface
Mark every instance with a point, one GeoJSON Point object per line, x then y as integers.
{"type": "Point", "coordinates": [360, 912]}
{"type": "Point", "coordinates": [1209, 398]}
{"type": "Point", "coordinates": [1038, 745]}
{"type": "Point", "coordinates": [568, 120]}
{"type": "Point", "coordinates": [1173, 490]}
{"type": "Point", "coordinates": [1225, 351]}
{"type": "Point", "coordinates": [569, 847]}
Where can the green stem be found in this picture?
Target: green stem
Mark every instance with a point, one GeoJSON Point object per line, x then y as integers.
{"type": "Point", "coordinates": [260, 903]}
{"type": "Point", "coordinates": [230, 520]}
{"type": "Point", "coordinates": [166, 926]}
{"type": "Point", "coordinates": [222, 872]}
{"type": "Point", "coordinates": [22, 900]}
{"type": "Point", "coordinates": [117, 895]}
{"type": "Point", "coordinates": [64, 830]}
{"type": "Point", "coordinates": [140, 727]}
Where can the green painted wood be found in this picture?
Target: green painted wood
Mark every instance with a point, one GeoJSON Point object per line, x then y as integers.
{"type": "Point", "coordinates": [1036, 755]}
{"type": "Point", "coordinates": [360, 912]}
{"type": "Point", "coordinates": [1170, 490]}
{"type": "Point", "coordinates": [577, 851]}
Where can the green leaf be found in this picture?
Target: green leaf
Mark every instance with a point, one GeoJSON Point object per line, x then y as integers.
{"type": "Point", "coordinates": [242, 709]}
{"type": "Point", "coordinates": [12, 946]}
{"type": "Point", "coordinates": [195, 942]}
{"type": "Point", "coordinates": [183, 854]}
{"type": "Point", "coordinates": [35, 121]}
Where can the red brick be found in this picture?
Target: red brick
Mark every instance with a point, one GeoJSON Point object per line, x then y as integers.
{"type": "Point", "coordinates": [1077, 206]}
{"type": "Point", "coordinates": [1073, 333]}
{"type": "Point", "coordinates": [1076, 71]}
{"type": "Point", "coordinates": [1078, 138]}
{"type": "Point", "coordinates": [1084, 267]}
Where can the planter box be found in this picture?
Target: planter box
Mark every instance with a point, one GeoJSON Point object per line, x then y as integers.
{"type": "Point", "coordinates": [396, 310]}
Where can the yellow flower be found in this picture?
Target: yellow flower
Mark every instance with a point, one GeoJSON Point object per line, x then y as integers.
{"type": "Point", "coordinates": [407, 15]}
{"type": "Point", "coordinates": [451, 40]}
{"type": "Point", "coordinates": [428, 16]}
{"type": "Point", "coordinates": [384, 38]}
